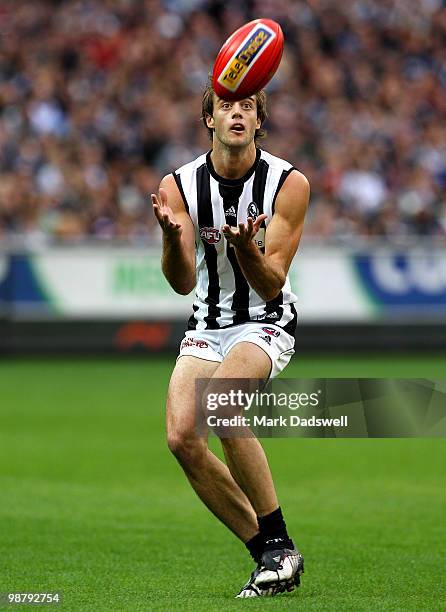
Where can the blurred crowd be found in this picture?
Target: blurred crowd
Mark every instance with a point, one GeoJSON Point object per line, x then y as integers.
{"type": "Point", "coordinates": [100, 98]}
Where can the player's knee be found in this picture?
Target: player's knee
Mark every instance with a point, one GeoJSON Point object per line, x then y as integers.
{"type": "Point", "coordinates": [187, 448]}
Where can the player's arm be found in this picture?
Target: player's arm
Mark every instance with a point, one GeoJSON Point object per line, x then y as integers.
{"type": "Point", "coordinates": [266, 274]}
{"type": "Point", "coordinates": [178, 258]}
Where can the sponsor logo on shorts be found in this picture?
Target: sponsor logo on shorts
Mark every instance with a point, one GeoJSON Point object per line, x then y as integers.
{"type": "Point", "coordinates": [266, 338]}
{"type": "Point", "coordinates": [196, 342]}
{"type": "Point", "coordinates": [249, 50]}
{"type": "Point", "coordinates": [270, 331]}
{"type": "Point", "coordinates": [210, 234]}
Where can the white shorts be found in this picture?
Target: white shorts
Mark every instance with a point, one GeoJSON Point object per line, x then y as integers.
{"type": "Point", "coordinates": [215, 344]}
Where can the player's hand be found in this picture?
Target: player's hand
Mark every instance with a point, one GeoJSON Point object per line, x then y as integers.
{"type": "Point", "coordinates": [242, 237]}
{"type": "Point", "coordinates": [164, 215]}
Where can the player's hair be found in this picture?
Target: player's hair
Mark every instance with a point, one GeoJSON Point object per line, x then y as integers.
{"type": "Point", "coordinates": [207, 108]}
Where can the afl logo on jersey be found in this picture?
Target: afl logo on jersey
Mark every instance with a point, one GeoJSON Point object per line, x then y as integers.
{"type": "Point", "coordinates": [210, 235]}
{"type": "Point", "coordinates": [253, 211]}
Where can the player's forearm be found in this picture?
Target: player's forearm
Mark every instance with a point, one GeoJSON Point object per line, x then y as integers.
{"type": "Point", "coordinates": [262, 275]}
{"type": "Point", "coordinates": [177, 265]}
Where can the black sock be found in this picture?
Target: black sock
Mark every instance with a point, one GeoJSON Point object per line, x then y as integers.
{"type": "Point", "coordinates": [255, 546]}
{"type": "Point", "coordinates": [273, 530]}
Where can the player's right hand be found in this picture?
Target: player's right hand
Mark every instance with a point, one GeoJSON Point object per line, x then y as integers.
{"type": "Point", "coordinates": [164, 215]}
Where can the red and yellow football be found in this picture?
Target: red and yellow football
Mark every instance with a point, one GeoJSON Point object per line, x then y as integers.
{"type": "Point", "coordinates": [248, 59]}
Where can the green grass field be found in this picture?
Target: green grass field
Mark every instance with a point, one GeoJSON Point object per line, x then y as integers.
{"type": "Point", "coordinates": [93, 505]}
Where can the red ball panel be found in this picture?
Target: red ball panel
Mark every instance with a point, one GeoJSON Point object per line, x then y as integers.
{"type": "Point", "coordinates": [248, 59]}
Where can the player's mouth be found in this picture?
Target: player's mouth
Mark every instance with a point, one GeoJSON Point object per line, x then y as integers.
{"type": "Point", "coordinates": [238, 128]}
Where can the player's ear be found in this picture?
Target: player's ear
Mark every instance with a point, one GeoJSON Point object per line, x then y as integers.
{"type": "Point", "coordinates": [209, 121]}
{"type": "Point", "coordinates": [258, 124]}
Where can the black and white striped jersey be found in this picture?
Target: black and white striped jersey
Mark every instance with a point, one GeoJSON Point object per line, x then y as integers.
{"type": "Point", "coordinates": [223, 296]}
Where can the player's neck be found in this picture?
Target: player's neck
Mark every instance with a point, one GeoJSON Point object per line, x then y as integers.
{"type": "Point", "coordinates": [232, 163]}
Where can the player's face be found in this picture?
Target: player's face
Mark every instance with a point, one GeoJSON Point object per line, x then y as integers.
{"type": "Point", "coordinates": [235, 123]}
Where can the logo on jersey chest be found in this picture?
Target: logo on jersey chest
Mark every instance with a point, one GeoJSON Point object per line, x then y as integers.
{"type": "Point", "coordinates": [211, 235]}
{"type": "Point", "coordinates": [231, 212]}
{"type": "Point", "coordinates": [253, 211]}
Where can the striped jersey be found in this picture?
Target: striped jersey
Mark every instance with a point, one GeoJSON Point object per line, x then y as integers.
{"type": "Point", "coordinates": [223, 296]}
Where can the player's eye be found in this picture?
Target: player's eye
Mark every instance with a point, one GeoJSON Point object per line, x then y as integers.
{"type": "Point", "coordinates": [226, 105]}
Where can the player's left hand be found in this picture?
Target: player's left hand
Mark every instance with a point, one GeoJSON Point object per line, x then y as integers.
{"type": "Point", "coordinates": [242, 237]}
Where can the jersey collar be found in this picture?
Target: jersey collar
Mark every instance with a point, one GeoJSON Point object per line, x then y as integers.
{"type": "Point", "coordinates": [226, 181]}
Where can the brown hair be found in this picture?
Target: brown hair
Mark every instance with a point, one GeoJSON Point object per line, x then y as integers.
{"type": "Point", "coordinates": [207, 108]}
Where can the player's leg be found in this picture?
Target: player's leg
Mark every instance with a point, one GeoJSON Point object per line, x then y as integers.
{"type": "Point", "coordinates": [210, 477]}
{"type": "Point", "coordinates": [280, 565]}
{"type": "Point", "coordinates": [245, 456]}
